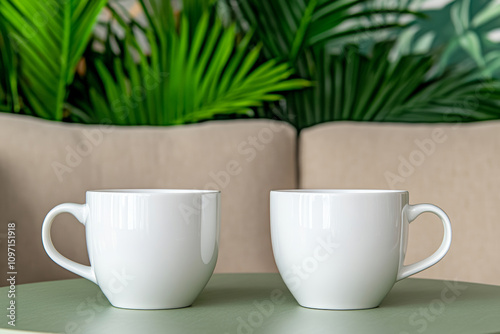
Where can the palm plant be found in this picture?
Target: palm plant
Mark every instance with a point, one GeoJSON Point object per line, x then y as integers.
{"type": "Point", "coordinates": [49, 37]}
{"type": "Point", "coordinates": [294, 30]}
{"type": "Point", "coordinates": [373, 87]}
{"type": "Point", "coordinates": [195, 69]}
{"type": "Point", "coordinates": [190, 66]}
{"type": "Point", "coordinates": [372, 83]}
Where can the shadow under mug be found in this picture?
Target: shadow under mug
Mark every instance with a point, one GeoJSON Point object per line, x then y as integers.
{"type": "Point", "coordinates": [345, 249]}
{"type": "Point", "coordinates": [148, 249]}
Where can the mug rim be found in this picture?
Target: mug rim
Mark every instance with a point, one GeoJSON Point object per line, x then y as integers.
{"type": "Point", "coordinates": [340, 191]}
{"type": "Point", "coordinates": [159, 191]}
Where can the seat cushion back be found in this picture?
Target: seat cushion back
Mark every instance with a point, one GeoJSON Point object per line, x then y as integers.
{"type": "Point", "coordinates": [45, 163]}
{"type": "Point", "coordinates": [454, 166]}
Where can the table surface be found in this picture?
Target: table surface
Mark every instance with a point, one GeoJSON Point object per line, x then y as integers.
{"type": "Point", "coordinates": [258, 303]}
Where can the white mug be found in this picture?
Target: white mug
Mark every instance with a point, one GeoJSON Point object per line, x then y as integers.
{"type": "Point", "coordinates": [345, 249]}
{"type": "Point", "coordinates": [148, 249]}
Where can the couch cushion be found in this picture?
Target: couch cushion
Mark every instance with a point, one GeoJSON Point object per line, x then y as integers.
{"type": "Point", "coordinates": [454, 166]}
{"type": "Point", "coordinates": [45, 163]}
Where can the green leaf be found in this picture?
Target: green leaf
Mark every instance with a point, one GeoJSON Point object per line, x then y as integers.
{"type": "Point", "coordinates": [486, 15]}
{"type": "Point", "coordinates": [470, 43]}
{"type": "Point", "coordinates": [300, 35]}
{"type": "Point", "coordinates": [460, 16]}
{"type": "Point", "coordinates": [50, 37]}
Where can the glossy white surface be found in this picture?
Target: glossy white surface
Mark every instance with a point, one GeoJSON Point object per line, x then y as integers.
{"type": "Point", "coordinates": [345, 249]}
{"type": "Point", "coordinates": [148, 249]}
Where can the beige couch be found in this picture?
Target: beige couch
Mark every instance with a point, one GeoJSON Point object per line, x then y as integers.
{"type": "Point", "coordinates": [455, 166]}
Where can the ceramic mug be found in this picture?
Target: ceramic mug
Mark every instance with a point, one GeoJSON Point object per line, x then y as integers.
{"type": "Point", "coordinates": [148, 249]}
{"type": "Point", "coordinates": [345, 249]}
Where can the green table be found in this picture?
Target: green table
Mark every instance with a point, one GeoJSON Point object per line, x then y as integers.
{"type": "Point", "coordinates": [258, 303]}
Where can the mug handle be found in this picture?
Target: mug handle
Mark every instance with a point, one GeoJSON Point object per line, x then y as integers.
{"type": "Point", "coordinates": [80, 211]}
{"type": "Point", "coordinates": [412, 212]}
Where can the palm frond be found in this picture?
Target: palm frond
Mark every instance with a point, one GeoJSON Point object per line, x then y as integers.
{"type": "Point", "coordinates": [50, 37]}
{"type": "Point", "coordinates": [186, 76]}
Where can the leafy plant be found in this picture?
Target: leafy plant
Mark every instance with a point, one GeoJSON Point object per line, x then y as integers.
{"type": "Point", "coordinates": [462, 29]}
{"type": "Point", "coordinates": [191, 65]}
{"type": "Point", "coordinates": [195, 69]}
{"type": "Point", "coordinates": [373, 87]}
{"type": "Point", "coordinates": [49, 37]}
{"type": "Point", "coordinates": [356, 81]}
